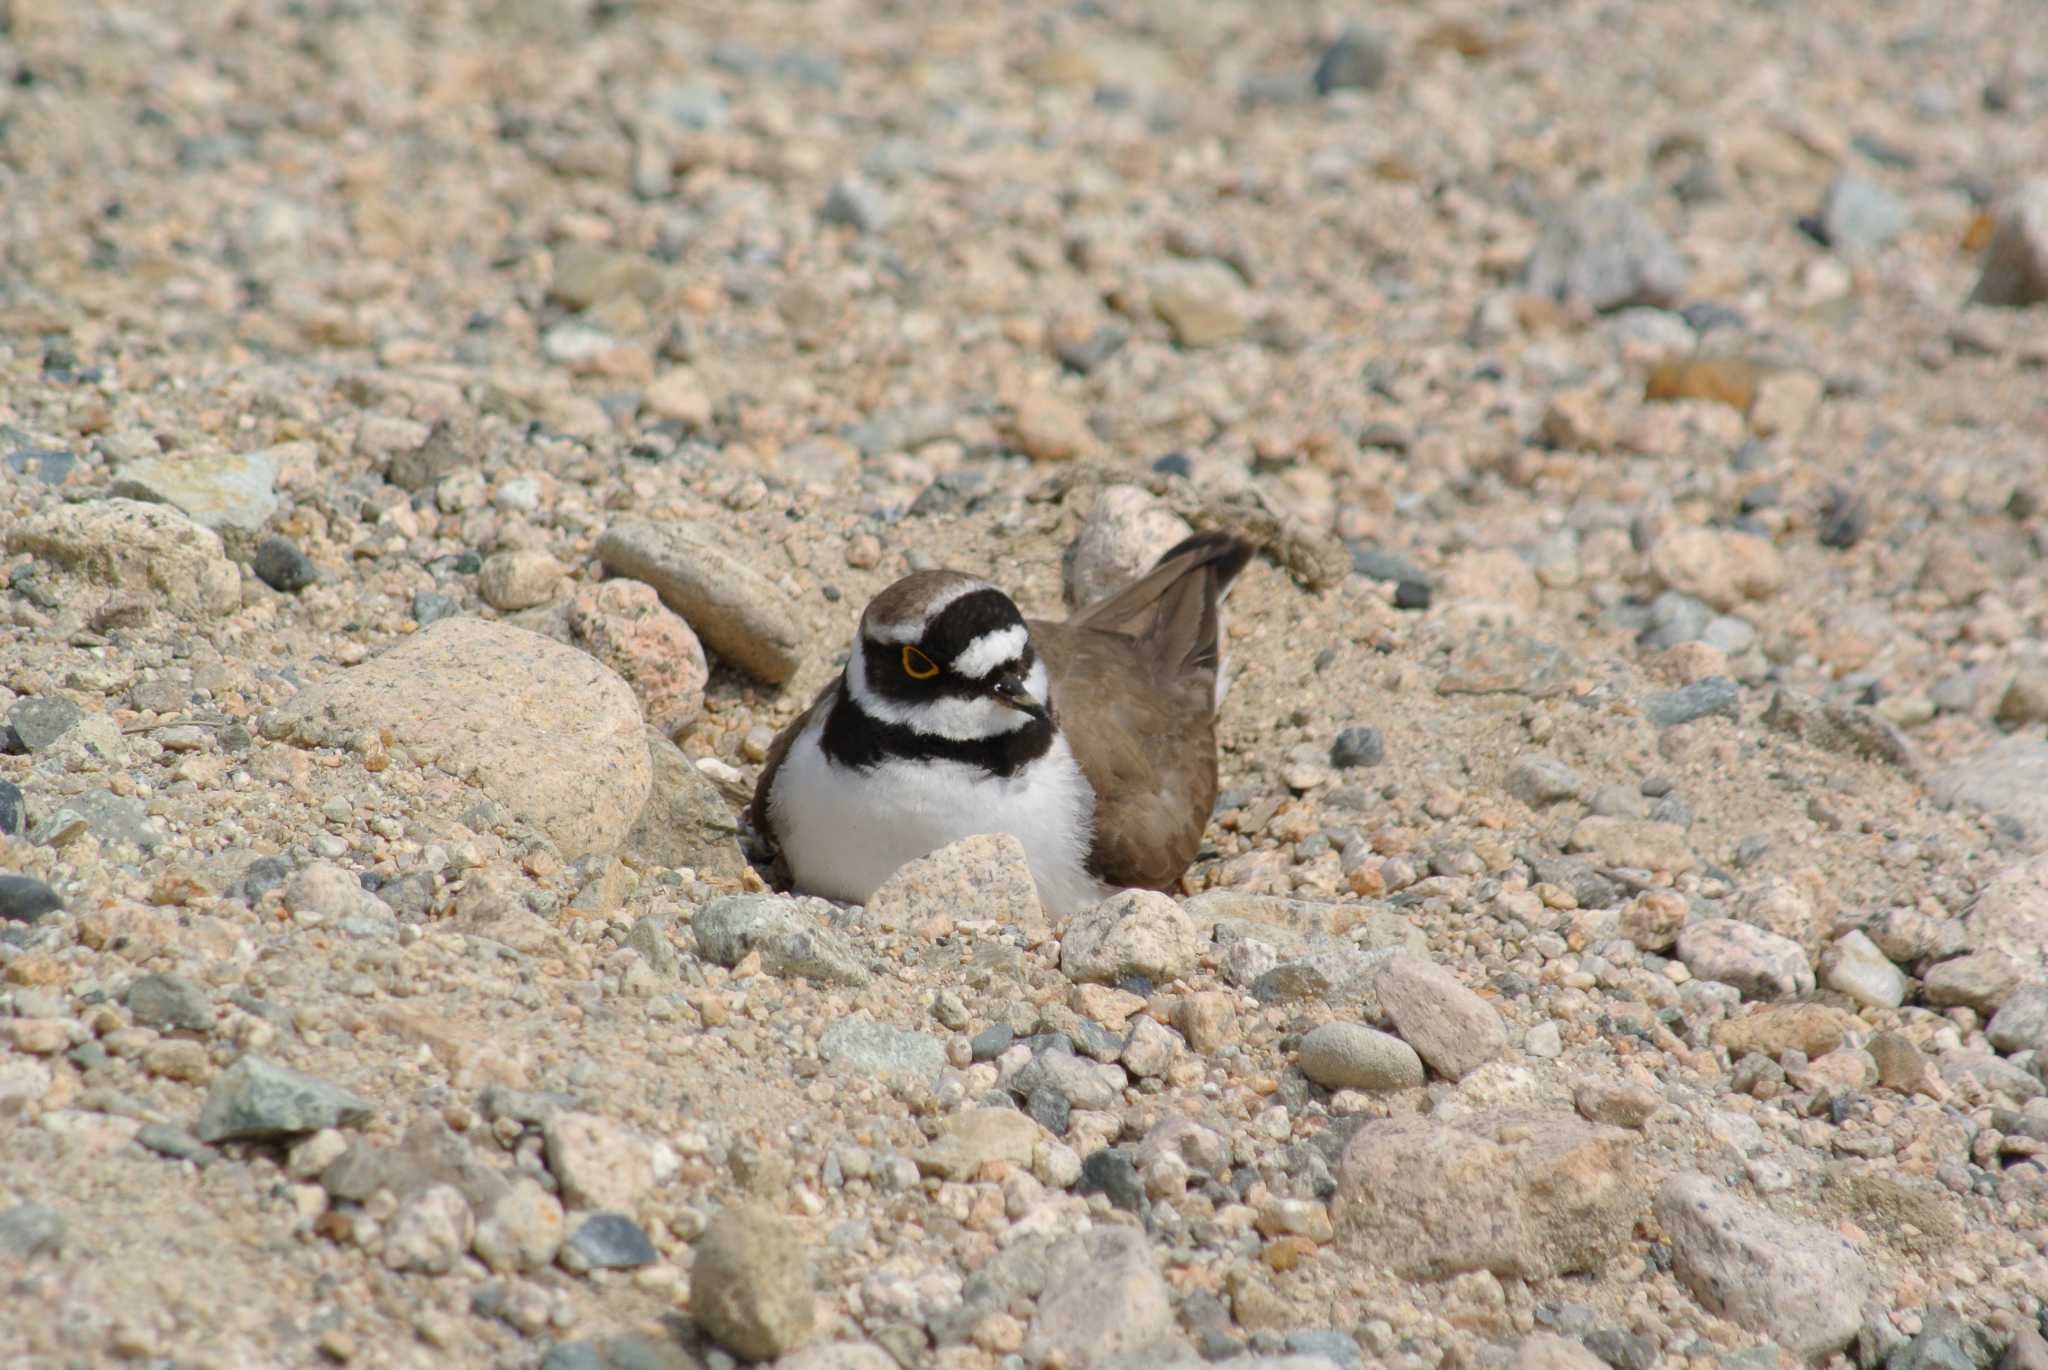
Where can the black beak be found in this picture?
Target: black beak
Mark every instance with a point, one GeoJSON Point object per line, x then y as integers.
{"type": "Point", "coordinates": [1009, 688]}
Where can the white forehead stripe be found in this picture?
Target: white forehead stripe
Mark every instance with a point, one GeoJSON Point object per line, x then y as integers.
{"type": "Point", "coordinates": [991, 650]}
{"type": "Point", "coordinates": [913, 630]}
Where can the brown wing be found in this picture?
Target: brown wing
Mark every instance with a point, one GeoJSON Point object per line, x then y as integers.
{"type": "Point", "coordinates": [757, 812]}
{"type": "Point", "coordinates": [1148, 753]}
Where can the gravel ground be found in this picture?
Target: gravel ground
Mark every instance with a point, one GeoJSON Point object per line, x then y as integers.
{"type": "Point", "coordinates": [1623, 937]}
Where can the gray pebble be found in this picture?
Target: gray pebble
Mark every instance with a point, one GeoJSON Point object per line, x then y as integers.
{"type": "Point", "coordinates": [1049, 1109]}
{"type": "Point", "coordinates": [23, 899]}
{"type": "Point", "coordinates": [1357, 60]}
{"type": "Point", "coordinates": [39, 720]}
{"type": "Point", "coordinates": [1359, 746]}
{"type": "Point", "coordinates": [430, 607]}
{"type": "Point", "coordinates": [1540, 780]}
{"type": "Point", "coordinates": [857, 205]}
{"type": "Point", "coordinates": [13, 815]}
{"type": "Point", "coordinates": [283, 567]}
{"type": "Point", "coordinates": [255, 1099]}
{"type": "Point", "coordinates": [893, 1055]}
{"type": "Point", "coordinates": [1332, 1345]}
{"type": "Point", "coordinates": [1860, 216]}
{"type": "Point", "coordinates": [169, 1000]}
{"type": "Point", "coordinates": [1110, 1172]}
{"type": "Point", "coordinates": [991, 1041]}
{"type": "Point", "coordinates": [790, 940]}
{"type": "Point", "coordinates": [1605, 254]}
{"type": "Point", "coordinates": [31, 1229]}
{"type": "Point", "coordinates": [176, 1143]}
{"type": "Point", "coordinates": [1714, 696]}
{"type": "Point", "coordinates": [608, 1241]}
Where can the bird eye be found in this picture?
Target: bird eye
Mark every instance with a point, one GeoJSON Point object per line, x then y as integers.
{"type": "Point", "coordinates": [917, 665]}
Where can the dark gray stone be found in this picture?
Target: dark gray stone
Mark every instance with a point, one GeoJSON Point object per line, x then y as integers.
{"type": "Point", "coordinates": [259, 1100]}
{"type": "Point", "coordinates": [260, 877]}
{"type": "Point", "coordinates": [1716, 695]}
{"type": "Point", "coordinates": [169, 1000]}
{"type": "Point", "coordinates": [1620, 1348]}
{"type": "Point", "coordinates": [786, 933]}
{"type": "Point", "coordinates": [991, 1041]}
{"type": "Point", "coordinates": [282, 566]}
{"type": "Point", "coordinates": [686, 821]}
{"type": "Point", "coordinates": [23, 899]}
{"type": "Point", "coordinates": [429, 606]}
{"type": "Point", "coordinates": [608, 1241]}
{"type": "Point", "coordinates": [39, 720]}
{"type": "Point", "coordinates": [1111, 1172]}
{"type": "Point", "coordinates": [176, 1143]}
{"type": "Point", "coordinates": [1357, 60]}
{"type": "Point", "coordinates": [13, 815]}
{"type": "Point", "coordinates": [1358, 746]}
{"type": "Point", "coordinates": [1049, 1109]}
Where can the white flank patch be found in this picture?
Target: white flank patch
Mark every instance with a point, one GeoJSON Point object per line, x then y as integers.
{"type": "Point", "coordinates": [845, 831]}
{"type": "Point", "coordinates": [912, 631]}
{"type": "Point", "coordinates": [950, 717]}
{"type": "Point", "coordinates": [991, 650]}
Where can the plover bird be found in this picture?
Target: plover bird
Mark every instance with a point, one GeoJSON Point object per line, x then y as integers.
{"type": "Point", "coordinates": [1092, 742]}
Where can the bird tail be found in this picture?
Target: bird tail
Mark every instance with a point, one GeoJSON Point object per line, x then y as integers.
{"type": "Point", "coordinates": [1175, 609]}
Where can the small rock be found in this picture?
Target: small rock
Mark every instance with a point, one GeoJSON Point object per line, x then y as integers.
{"type": "Point", "coordinates": [785, 932]}
{"type": "Point", "coordinates": [28, 1230]}
{"type": "Point", "coordinates": [1772, 1030]}
{"type": "Point", "coordinates": [1786, 402]}
{"type": "Point", "coordinates": [1149, 1048]}
{"type": "Point", "coordinates": [1980, 981]}
{"type": "Point", "coordinates": [1797, 1283]}
{"type": "Point", "coordinates": [12, 817]}
{"type": "Point", "coordinates": [895, 1056]}
{"type": "Point", "coordinates": [1605, 254]}
{"type": "Point", "coordinates": [1076, 1080]}
{"type": "Point", "coordinates": [2025, 699]}
{"type": "Point", "coordinates": [282, 566]}
{"type": "Point", "coordinates": [176, 1143]}
{"type": "Point", "coordinates": [978, 1137]}
{"type": "Point", "coordinates": [983, 877]}
{"type": "Point", "coordinates": [1103, 1297]}
{"type": "Point", "coordinates": [607, 1241]}
{"type": "Point", "coordinates": [217, 490]}
{"type": "Point", "coordinates": [858, 205]}
{"type": "Point", "coordinates": [23, 899]}
{"type": "Point", "coordinates": [1720, 566]}
{"type": "Point", "coordinates": [1541, 780]}
{"type": "Point", "coordinates": [257, 1100]}
{"type": "Point", "coordinates": [749, 1288]}
{"type": "Point", "coordinates": [430, 1231]}
{"type": "Point", "coordinates": [2028, 1349]}
{"type": "Point", "coordinates": [1046, 427]}
{"type": "Point", "coordinates": [1202, 302]}
{"type": "Point", "coordinates": [1357, 747]}
{"type": "Point", "coordinates": [2021, 1023]}
{"type": "Point", "coordinates": [169, 1000]}
{"type": "Point", "coordinates": [39, 721]}
{"type": "Point", "coordinates": [1431, 1198]}
{"type": "Point", "coordinates": [1858, 217]}
{"type": "Point", "coordinates": [129, 545]}
{"type": "Point", "coordinates": [1715, 696]}
{"type": "Point", "coordinates": [510, 581]}
{"type": "Point", "coordinates": [2015, 270]}
{"type": "Point", "coordinates": [521, 1230]}
{"type": "Point", "coordinates": [1124, 535]}
{"type": "Point", "coordinates": [1617, 1105]}
{"type": "Point", "coordinates": [1902, 1066]}
{"type": "Point", "coordinates": [1352, 1056]}
{"type": "Point", "coordinates": [738, 612]}
{"type": "Point", "coordinates": [1451, 1028]}
{"type": "Point", "coordinates": [1761, 964]}
{"type": "Point", "coordinates": [1834, 727]}
{"type": "Point", "coordinates": [1855, 966]}
{"type": "Point", "coordinates": [1136, 933]}
{"type": "Point", "coordinates": [624, 624]}
{"type": "Point", "coordinates": [600, 1164]}
{"type": "Point", "coordinates": [1357, 60]}
{"type": "Point", "coordinates": [679, 394]}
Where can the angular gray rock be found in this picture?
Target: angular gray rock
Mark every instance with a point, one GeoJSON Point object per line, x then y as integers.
{"type": "Point", "coordinates": [750, 1287]}
{"type": "Point", "coordinates": [2015, 269]}
{"type": "Point", "coordinates": [219, 490]}
{"type": "Point", "coordinates": [785, 931]}
{"type": "Point", "coordinates": [1451, 1028]}
{"type": "Point", "coordinates": [1603, 254]}
{"type": "Point", "coordinates": [259, 1100]}
{"type": "Point", "coordinates": [686, 820]}
{"type": "Point", "coordinates": [896, 1056]}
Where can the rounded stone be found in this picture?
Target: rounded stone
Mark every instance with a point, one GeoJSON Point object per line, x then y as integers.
{"type": "Point", "coordinates": [1353, 1056]}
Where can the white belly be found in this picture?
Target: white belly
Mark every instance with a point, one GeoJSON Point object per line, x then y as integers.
{"type": "Point", "coordinates": [843, 831]}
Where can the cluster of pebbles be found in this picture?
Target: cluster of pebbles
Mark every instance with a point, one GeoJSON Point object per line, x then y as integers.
{"type": "Point", "coordinates": [440, 445]}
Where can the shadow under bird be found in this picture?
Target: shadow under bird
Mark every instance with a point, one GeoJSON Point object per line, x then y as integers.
{"type": "Point", "coordinates": [1092, 742]}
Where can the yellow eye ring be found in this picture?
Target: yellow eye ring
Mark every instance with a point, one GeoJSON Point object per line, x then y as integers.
{"type": "Point", "coordinates": [917, 665]}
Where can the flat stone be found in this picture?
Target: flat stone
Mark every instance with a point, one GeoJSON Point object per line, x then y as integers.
{"type": "Point", "coordinates": [787, 933]}
{"type": "Point", "coordinates": [169, 1000]}
{"type": "Point", "coordinates": [1637, 843]}
{"type": "Point", "coordinates": [1714, 697]}
{"type": "Point", "coordinates": [1130, 934]}
{"type": "Point", "coordinates": [737, 612]}
{"type": "Point", "coordinates": [750, 1290]}
{"type": "Point", "coordinates": [1451, 1028]}
{"type": "Point", "coordinates": [217, 490]}
{"type": "Point", "coordinates": [984, 877]}
{"type": "Point", "coordinates": [125, 544]}
{"type": "Point", "coordinates": [114, 819]}
{"type": "Point", "coordinates": [1797, 1283]}
{"type": "Point", "coordinates": [1103, 1297]}
{"type": "Point", "coordinates": [258, 1100]}
{"type": "Point", "coordinates": [1980, 981]}
{"type": "Point", "coordinates": [496, 706]}
{"type": "Point", "coordinates": [1352, 1056]}
{"type": "Point", "coordinates": [39, 721]}
{"type": "Point", "coordinates": [1760, 963]}
{"type": "Point", "coordinates": [977, 1137]}
{"type": "Point", "coordinates": [895, 1056]}
{"type": "Point", "coordinates": [1774, 1029]}
{"type": "Point", "coordinates": [1524, 1195]}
